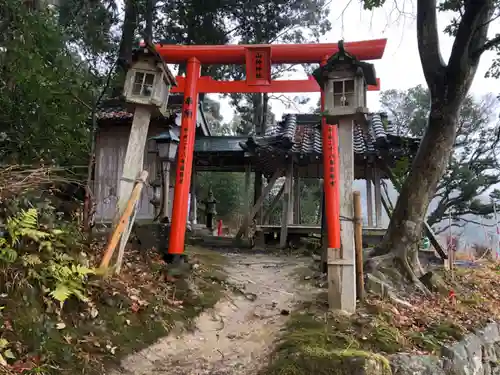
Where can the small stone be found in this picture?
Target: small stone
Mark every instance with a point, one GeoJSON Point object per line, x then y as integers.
{"type": "Point", "coordinates": [307, 278]}
{"type": "Point", "coordinates": [231, 336]}
{"type": "Point", "coordinates": [94, 312]}
{"type": "Point", "coordinates": [285, 312]}
{"type": "Point", "coordinates": [251, 296]}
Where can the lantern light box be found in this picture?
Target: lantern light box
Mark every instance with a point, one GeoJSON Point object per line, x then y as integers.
{"type": "Point", "coordinates": [344, 81]}
{"type": "Point", "coordinates": [148, 79]}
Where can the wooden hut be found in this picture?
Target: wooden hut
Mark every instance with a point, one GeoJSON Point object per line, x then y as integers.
{"type": "Point", "coordinates": [114, 123]}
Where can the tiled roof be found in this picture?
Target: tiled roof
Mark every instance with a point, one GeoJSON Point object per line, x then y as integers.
{"type": "Point", "coordinates": [116, 109]}
{"type": "Point", "coordinates": [300, 135]}
{"type": "Point", "coordinates": [296, 136]}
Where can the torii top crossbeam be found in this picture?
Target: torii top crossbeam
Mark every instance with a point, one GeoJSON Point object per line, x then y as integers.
{"type": "Point", "coordinates": [280, 53]}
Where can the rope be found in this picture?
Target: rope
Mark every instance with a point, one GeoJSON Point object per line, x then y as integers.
{"type": "Point", "coordinates": [344, 218]}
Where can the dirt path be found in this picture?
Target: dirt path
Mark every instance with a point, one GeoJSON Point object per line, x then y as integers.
{"type": "Point", "coordinates": [238, 334]}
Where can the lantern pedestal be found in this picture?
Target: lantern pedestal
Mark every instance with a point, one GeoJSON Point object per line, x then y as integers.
{"type": "Point", "coordinates": [341, 269]}
{"type": "Point", "coordinates": [134, 156]}
{"type": "Point", "coordinates": [342, 113]}
{"type": "Point", "coordinates": [166, 188]}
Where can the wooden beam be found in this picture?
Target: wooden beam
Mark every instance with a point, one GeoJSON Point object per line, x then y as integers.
{"type": "Point", "coordinates": [257, 191]}
{"type": "Point", "coordinates": [289, 177]}
{"type": "Point", "coordinates": [378, 197]}
{"type": "Point", "coordinates": [296, 196]}
{"type": "Point", "coordinates": [341, 262]}
{"type": "Point", "coordinates": [369, 199]}
{"type": "Point", "coordinates": [358, 243]}
{"type": "Point", "coordinates": [286, 216]}
{"type": "Point", "coordinates": [273, 204]}
{"type": "Point", "coordinates": [194, 201]}
{"type": "Point", "coordinates": [248, 218]}
{"type": "Point", "coordinates": [247, 193]}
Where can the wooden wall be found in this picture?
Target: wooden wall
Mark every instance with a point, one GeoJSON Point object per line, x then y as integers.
{"type": "Point", "coordinates": [110, 153]}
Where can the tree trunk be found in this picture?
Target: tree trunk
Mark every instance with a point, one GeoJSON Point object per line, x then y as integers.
{"type": "Point", "coordinates": [128, 32]}
{"type": "Point", "coordinates": [400, 244]}
{"type": "Point", "coordinates": [129, 29]}
{"type": "Point", "coordinates": [448, 85]}
{"type": "Point", "coordinates": [149, 18]}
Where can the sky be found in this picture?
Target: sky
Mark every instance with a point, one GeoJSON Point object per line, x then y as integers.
{"type": "Point", "coordinates": [400, 66]}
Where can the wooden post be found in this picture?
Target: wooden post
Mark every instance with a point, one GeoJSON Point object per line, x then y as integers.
{"type": "Point", "coordinates": [273, 204]}
{"type": "Point", "coordinates": [257, 191]}
{"type": "Point", "coordinates": [166, 188]}
{"type": "Point", "coordinates": [378, 197]}
{"type": "Point", "coordinates": [286, 214]}
{"type": "Point", "coordinates": [247, 206]}
{"type": "Point", "coordinates": [134, 157]}
{"type": "Point", "coordinates": [194, 201]}
{"type": "Point", "coordinates": [134, 161]}
{"type": "Point", "coordinates": [296, 196]}
{"type": "Point", "coordinates": [369, 199]}
{"type": "Point", "coordinates": [248, 218]}
{"type": "Point", "coordinates": [358, 243]}
{"type": "Point", "coordinates": [121, 231]}
{"type": "Point", "coordinates": [341, 264]}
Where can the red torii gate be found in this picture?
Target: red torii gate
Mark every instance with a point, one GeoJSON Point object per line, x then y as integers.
{"type": "Point", "coordinates": [258, 60]}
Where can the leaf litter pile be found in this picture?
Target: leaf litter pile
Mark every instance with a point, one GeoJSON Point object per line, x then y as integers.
{"type": "Point", "coordinates": [124, 314]}
{"type": "Point", "coordinates": [420, 326]}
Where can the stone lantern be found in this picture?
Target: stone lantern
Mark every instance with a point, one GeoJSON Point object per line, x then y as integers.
{"type": "Point", "coordinates": [146, 91]}
{"type": "Point", "coordinates": [210, 210]}
{"type": "Point", "coordinates": [167, 144]}
{"type": "Point", "coordinates": [344, 81]}
{"type": "Point", "coordinates": [149, 80]}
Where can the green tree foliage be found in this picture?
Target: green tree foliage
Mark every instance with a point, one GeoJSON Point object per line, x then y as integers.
{"type": "Point", "coordinates": [254, 21]}
{"type": "Point", "coordinates": [228, 189]}
{"type": "Point", "coordinates": [45, 90]}
{"type": "Point", "coordinates": [472, 171]}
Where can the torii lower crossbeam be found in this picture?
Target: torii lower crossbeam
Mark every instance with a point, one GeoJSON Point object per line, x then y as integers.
{"type": "Point", "coordinates": [208, 85]}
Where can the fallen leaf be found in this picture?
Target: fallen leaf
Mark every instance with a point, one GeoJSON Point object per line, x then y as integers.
{"type": "Point", "coordinates": [8, 354]}
{"type": "Point", "coordinates": [135, 307]}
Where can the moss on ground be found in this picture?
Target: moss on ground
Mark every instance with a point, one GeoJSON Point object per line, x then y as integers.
{"type": "Point", "coordinates": [317, 341]}
{"type": "Point", "coordinates": [127, 314]}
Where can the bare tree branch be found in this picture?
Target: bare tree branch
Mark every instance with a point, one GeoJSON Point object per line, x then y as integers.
{"type": "Point", "coordinates": [428, 40]}
{"type": "Point", "coordinates": [486, 46]}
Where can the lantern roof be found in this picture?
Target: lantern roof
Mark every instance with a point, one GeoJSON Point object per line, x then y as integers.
{"type": "Point", "coordinates": [167, 136]}
{"type": "Point", "coordinates": [147, 50]}
{"type": "Point", "coordinates": [343, 58]}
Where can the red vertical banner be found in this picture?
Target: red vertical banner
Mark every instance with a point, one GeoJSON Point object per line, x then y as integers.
{"type": "Point", "coordinates": [185, 156]}
{"type": "Point", "coordinates": [258, 65]}
{"type": "Point", "coordinates": [331, 177]}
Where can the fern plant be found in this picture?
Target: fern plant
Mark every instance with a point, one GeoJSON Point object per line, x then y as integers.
{"type": "Point", "coordinates": [69, 280]}
{"type": "Point", "coordinates": [7, 253]}
{"type": "Point", "coordinates": [59, 274]}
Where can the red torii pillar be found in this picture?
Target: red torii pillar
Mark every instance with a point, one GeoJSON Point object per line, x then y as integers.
{"type": "Point", "coordinates": [258, 60]}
